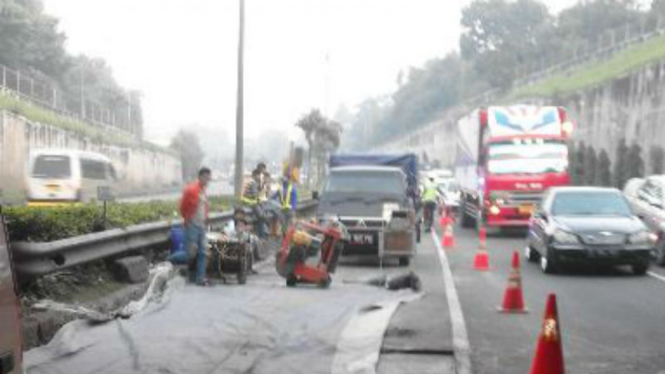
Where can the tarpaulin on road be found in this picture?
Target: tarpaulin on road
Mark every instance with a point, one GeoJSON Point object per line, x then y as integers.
{"type": "Point", "coordinates": [262, 327]}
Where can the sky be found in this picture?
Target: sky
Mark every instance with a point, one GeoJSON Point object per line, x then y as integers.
{"type": "Point", "coordinates": [299, 54]}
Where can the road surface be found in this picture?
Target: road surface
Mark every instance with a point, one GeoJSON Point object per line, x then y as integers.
{"type": "Point", "coordinates": [611, 320]}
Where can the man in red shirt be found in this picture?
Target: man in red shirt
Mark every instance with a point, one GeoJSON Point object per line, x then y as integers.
{"type": "Point", "coordinates": [194, 211]}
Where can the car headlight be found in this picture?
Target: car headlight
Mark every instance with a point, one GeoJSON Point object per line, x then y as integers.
{"type": "Point", "coordinates": [642, 237]}
{"type": "Point", "coordinates": [388, 209]}
{"type": "Point", "coordinates": [564, 237]}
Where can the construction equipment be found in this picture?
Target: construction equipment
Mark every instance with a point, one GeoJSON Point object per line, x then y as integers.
{"type": "Point", "coordinates": [306, 241]}
{"type": "Point", "coordinates": [230, 254]}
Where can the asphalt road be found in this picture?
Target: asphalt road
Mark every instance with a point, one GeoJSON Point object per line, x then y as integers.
{"type": "Point", "coordinates": [611, 320]}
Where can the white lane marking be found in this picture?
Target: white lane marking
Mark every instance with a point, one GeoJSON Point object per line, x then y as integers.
{"type": "Point", "coordinates": [659, 277]}
{"type": "Point", "coordinates": [460, 336]}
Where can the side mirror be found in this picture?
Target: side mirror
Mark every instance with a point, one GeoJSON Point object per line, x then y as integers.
{"type": "Point", "coordinates": [315, 195]}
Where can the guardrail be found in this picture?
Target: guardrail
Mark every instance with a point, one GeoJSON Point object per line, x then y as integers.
{"type": "Point", "coordinates": [33, 259]}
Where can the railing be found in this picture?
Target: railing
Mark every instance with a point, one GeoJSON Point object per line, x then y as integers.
{"type": "Point", "coordinates": [47, 95]}
{"type": "Point", "coordinates": [601, 48]}
{"type": "Point", "coordinates": [37, 259]}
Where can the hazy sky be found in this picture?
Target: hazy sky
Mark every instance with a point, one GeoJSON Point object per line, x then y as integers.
{"type": "Point", "coordinates": [182, 53]}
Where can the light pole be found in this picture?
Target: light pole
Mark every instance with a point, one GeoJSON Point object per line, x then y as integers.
{"type": "Point", "coordinates": [239, 106]}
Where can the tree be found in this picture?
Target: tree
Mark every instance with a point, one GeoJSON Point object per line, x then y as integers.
{"type": "Point", "coordinates": [500, 35]}
{"type": "Point", "coordinates": [186, 143]}
{"type": "Point", "coordinates": [323, 136]}
{"type": "Point", "coordinates": [590, 166]}
{"type": "Point", "coordinates": [604, 174]}
{"type": "Point", "coordinates": [620, 163]}
{"type": "Point", "coordinates": [657, 159]}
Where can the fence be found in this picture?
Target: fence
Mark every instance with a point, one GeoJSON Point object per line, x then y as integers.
{"type": "Point", "coordinates": [603, 47]}
{"type": "Point", "coordinates": [48, 96]}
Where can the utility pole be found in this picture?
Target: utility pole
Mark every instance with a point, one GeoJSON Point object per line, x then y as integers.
{"type": "Point", "coordinates": [239, 106]}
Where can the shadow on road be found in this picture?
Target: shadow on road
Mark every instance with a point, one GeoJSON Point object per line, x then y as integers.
{"type": "Point", "coordinates": [585, 271]}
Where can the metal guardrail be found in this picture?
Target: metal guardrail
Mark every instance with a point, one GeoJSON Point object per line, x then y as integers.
{"type": "Point", "coordinates": [33, 259]}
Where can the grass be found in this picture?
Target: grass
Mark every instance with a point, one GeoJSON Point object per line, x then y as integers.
{"type": "Point", "coordinates": [592, 74]}
{"type": "Point", "coordinates": [45, 116]}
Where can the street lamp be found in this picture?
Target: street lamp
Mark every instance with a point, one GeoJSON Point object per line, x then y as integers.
{"type": "Point", "coordinates": [239, 106]}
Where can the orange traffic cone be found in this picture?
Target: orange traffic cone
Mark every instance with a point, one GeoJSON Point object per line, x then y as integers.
{"type": "Point", "coordinates": [513, 300]}
{"type": "Point", "coordinates": [481, 261]}
{"type": "Point", "coordinates": [549, 354]}
{"type": "Point", "coordinates": [448, 240]}
{"type": "Point", "coordinates": [482, 235]}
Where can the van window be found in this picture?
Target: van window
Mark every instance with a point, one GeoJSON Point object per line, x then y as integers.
{"type": "Point", "coordinates": [93, 169]}
{"type": "Point", "coordinates": [52, 167]}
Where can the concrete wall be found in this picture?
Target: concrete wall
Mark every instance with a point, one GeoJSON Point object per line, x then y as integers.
{"type": "Point", "coordinates": [142, 170]}
{"type": "Point", "coordinates": [630, 107]}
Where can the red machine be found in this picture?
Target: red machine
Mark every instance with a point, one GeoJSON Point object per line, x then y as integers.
{"type": "Point", "coordinates": [303, 242]}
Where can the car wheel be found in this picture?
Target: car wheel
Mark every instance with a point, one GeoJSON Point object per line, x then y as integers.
{"type": "Point", "coordinates": [641, 268]}
{"type": "Point", "coordinates": [404, 261]}
{"type": "Point", "coordinates": [660, 254]}
{"type": "Point", "coordinates": [548, 264]}
{"type": "Point", "coordinates": [530, 254]}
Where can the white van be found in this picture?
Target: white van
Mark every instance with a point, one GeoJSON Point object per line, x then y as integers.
{"type": "Point", "coordinates": [57, 176]}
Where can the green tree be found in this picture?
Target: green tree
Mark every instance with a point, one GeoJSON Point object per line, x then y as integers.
{"type": "Point", "coordinates": [186, 143]}
{"type": "Point", "coordinates": [604, 173]}
{"type": "Point", "coordinates": [657, 159]}
{"type": "Point", "coordinates": [323, 136]}
{"type": "Point", "coordinates": [620, 164]}
{"type": "Point", "coordinates": [500, 35]}
{"type": "Point", "coordinates": [29, 39]}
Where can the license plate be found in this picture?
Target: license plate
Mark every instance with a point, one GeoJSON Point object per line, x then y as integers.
{"type": "Point", "coordinates": [526, 209]}
{"type": "Point", "coordinates": [362, 239]}
{"type": "Point", "coordinates": [52, 187]}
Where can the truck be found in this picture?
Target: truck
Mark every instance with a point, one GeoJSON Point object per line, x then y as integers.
{"type": "Point", "coordinates": [506, 158]}
{"type": "Point", "coordinates": [374, 196]}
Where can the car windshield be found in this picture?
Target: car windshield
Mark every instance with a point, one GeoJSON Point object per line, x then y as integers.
{"type": "Point", "coordinates": [366, 182]}
{"type": "Point", "coordinates": [527, 156]}
{"type": "Point", "coordinates": [52, 167]}
{"type": "Point", "coordinates": [589, 204]}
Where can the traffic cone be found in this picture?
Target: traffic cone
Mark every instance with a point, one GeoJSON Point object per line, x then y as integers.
{"type": "Point", "coordinates": [443, 222]}
{"type": "Point", "coordinates": [448, 240]}
{"type": "Point", "coordinates": [481, 261]}
{"type": "Point", "coordinates": [482, 235]}
{"type": "Point", "coordinates": [549, 354]}
{"type": "Point", "coordinates": [513, 300]}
